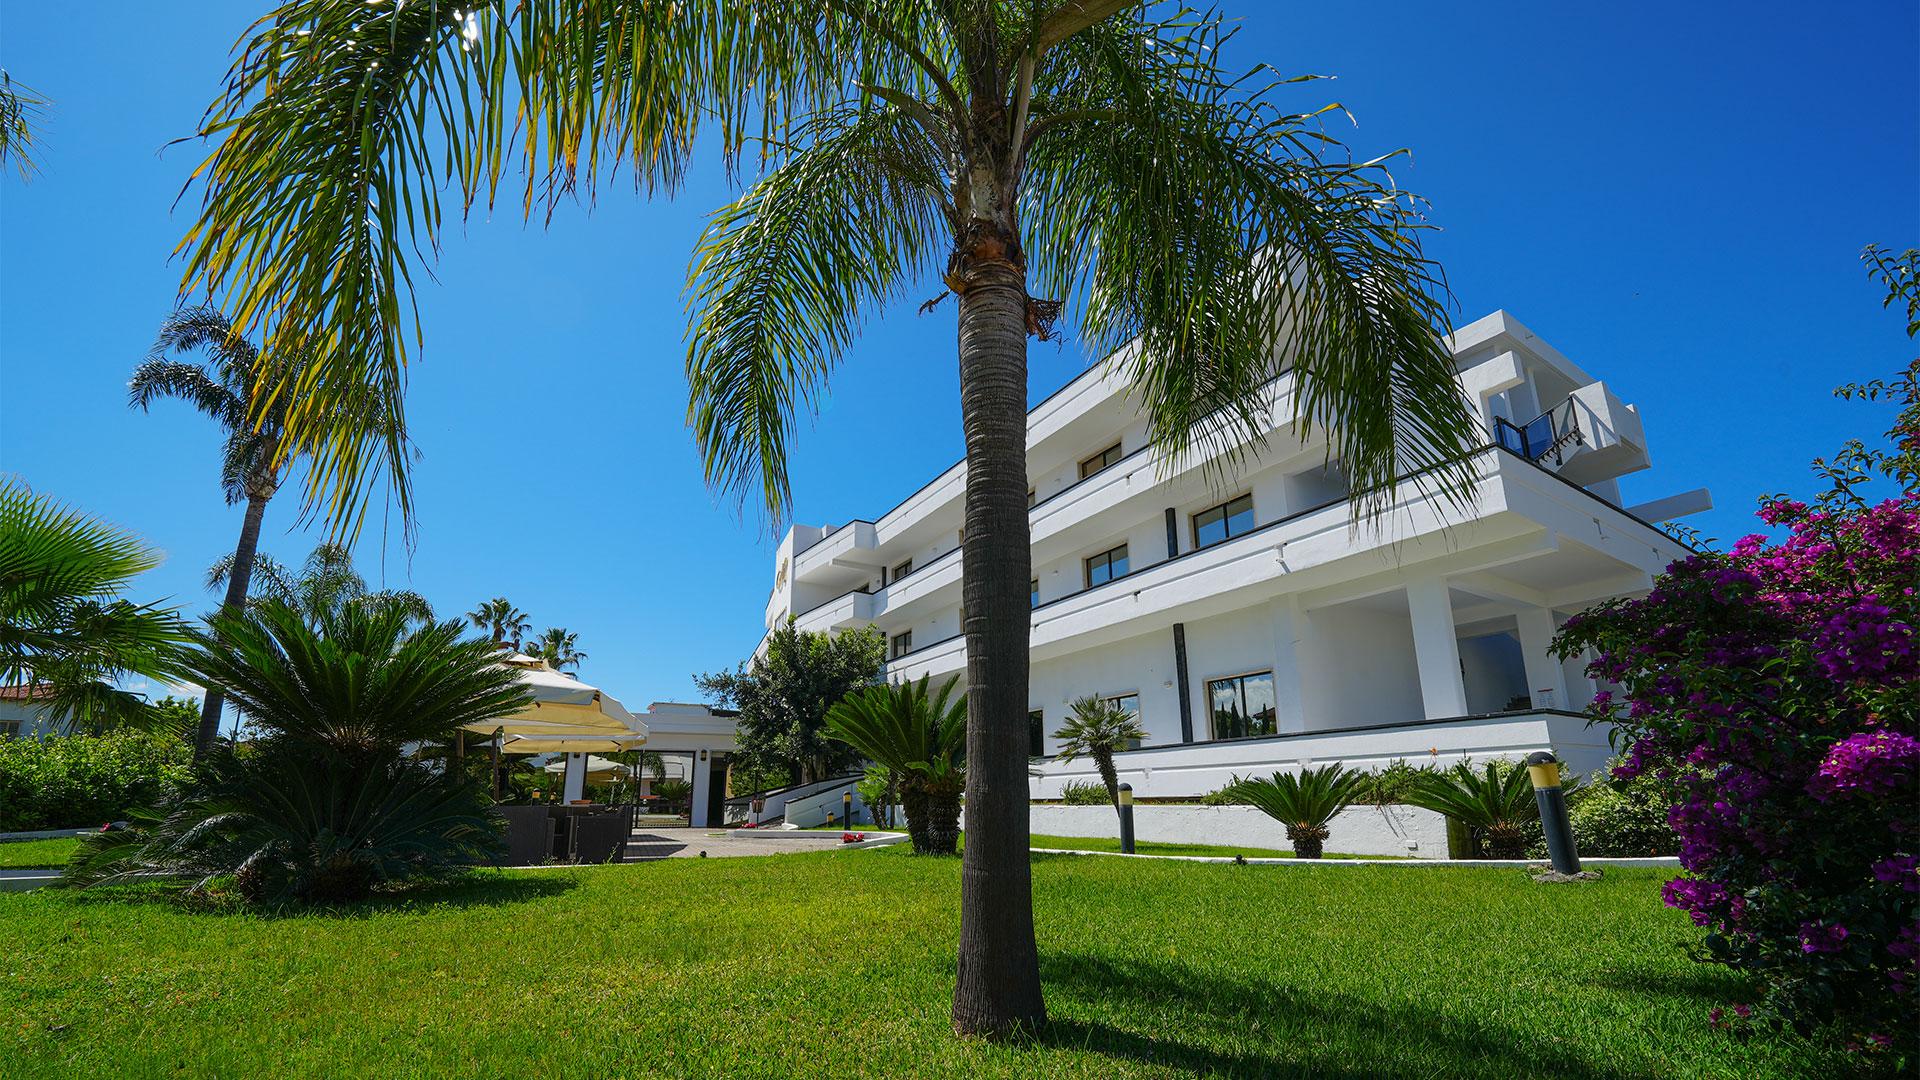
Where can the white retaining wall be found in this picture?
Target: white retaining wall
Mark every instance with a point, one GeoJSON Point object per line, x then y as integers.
{"type": "Point", "coordinates": [1358, 830]}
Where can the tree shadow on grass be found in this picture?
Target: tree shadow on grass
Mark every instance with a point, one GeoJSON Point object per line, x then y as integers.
{"type": "Point", "coordinates": [479, 890]}
{"type": "Point", "coordinates": [1701, 983]}
{"type": "Point", "coordinates": [1354, 1038]}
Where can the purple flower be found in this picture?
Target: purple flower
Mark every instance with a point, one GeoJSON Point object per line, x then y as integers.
{"type": "Point", "coordinates": [1865, 764]}
{"type": "Point", "coordinates": [1903, 870]}
{"type": "Point", "coordinates": [1816, 937]}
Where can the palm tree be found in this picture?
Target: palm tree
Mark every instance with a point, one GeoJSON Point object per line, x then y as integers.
{"type": "Point", "coordinates": [1494, 804]}
{"type": "Point", "coordinates": [250, 468]}
{"type": "Point", "coordinates": [1040, 156]}
{"type": "Point", "coordinates": [1304, 802]}
{"type": "Point", "coordinates": [324, 585]}
{"type": "Point", "coordinates": [920, 739]}
{"type": "Point", "coordinates": [63, 623]}
{"type": "Point", "coordinates": [1096, 728]}
{"type": "Point", "coordinates": [504, 623]}
{"type": "Point", "coordinates": [557, 646]}
{"type": "Point", "coordinates": [20, 111]}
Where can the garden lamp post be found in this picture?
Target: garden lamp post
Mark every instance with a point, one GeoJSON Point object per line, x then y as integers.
{"type": "Point", "coordinates": [1126, 819]}
{"type": "Point", "coordinates": [1544, 770]}
{"type": "Point", "coordinates": [846, 808]}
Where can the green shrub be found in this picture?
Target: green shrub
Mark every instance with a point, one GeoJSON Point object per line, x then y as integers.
{"type": "Point", "coordinates": [1624, 818]}
{"type": "Point", "coordinates": [1222, 797]}
{"type": "Point", "coordinates": [1085, 793]}
{"type": "Point", "coordinates": [1382, 787]}
{"type": "Point", "coordinates": [79, 781]}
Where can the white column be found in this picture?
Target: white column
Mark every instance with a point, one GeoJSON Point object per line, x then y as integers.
{"type": "Point", "coordinates": [702, 779]}
{"type": "Point", "coordinates": [1546, 682]}
{"type": "Point", "coordinates": [1289, 629]}
{"type": "Point", "coordinates": [1436, 651]}
{"type": "Point", "coordinates": [574, 786]}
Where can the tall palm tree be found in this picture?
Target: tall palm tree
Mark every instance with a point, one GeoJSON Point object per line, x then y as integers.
{"type": "Point", "coordinates": [1096, 728]}
{"type": "Point", "coordinates": [504, 623]}
{"type": "Point", "coordinates": [63, 622]}
{"type": "Point", "coordinates": [1042, 157]}
{"type": "Point", "coordinates": [558, 646]}
{"type": "Point", "coordinates": [326, 584]}
{"type": "Point", "coordinates": [250, 467]}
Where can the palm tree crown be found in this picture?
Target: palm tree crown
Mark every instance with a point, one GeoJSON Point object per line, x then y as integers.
{"type": "Point", "coordinates": [223, 389]}
{"type": "Point", "coordinates": [326, 584]}
{"type": "Point", "coordinates": [504, 623]}
{"type": "Point", "coordinates": [558, 646]}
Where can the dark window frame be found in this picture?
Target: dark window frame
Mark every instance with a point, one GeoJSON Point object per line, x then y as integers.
{"type": "Point", "coordinates": [1106, 459]}
{"type": "Point", "coordinates": [1106, 559]}
{"type": "Point", "coordinates": [900, 644]}
{"type": "Point", "coordinates": [1240, 691]}
{"type": "Point", "coordinates": [1226, 521]}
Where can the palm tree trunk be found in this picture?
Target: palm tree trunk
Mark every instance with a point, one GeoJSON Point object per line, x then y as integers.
{"type": "Point", "coordinates": [1103, 761]}
{"type": "Point", "coordinates": [997, 990]}
{"type": "Point", "coordinates": [238, 582]}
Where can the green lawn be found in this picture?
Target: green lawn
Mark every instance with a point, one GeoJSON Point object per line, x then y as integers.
{"type": "Point", "coordinates": [16, 853]}
{"type": "Point", "coordinates": [840, 963]}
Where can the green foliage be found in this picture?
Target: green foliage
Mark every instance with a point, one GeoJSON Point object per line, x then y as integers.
{"type": "Point", "coordinates": [77, 781]}
{"type": "Point", "coordinates": [1222, 796]}
{"type": "Point", "coordinates": [558, 646]}
{"type": "Point", "coordinates": [1623, 817]}
{"type": "Point", "coordinates": [222, 388]}
{"type": "Point", "coordinates": [921, 738]}
{"type": "Point", "coordinates": [503, 622]}
{"type": "Point", "coordinates": [1085, 793]}
{"type": "Point", "coordinates": [21, 116]}
{"type": "Point", "coordinates": [880, 792]}
{"type": "Point", "coordinates": [783, 698]}
{"type": "Point", "coordinates": [1385, 787]}
{"type": "Point", "coordinates": [324, 585]}
{"type": "Point", "coordinates": [323, 808]}
{"type": "Point", "coordinates": [1495, 804]}
{"type": "Point", "coordinates": [1096, 728]}
{"type": "Point", "coordinates": [63, 623]}
{"type": "Point", "coordinates": [673, 794]}
{"type": "Point", "coordinates": [1304, 802]}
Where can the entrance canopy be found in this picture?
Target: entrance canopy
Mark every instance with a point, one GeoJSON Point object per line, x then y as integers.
{"type": "Point", "coordinates": [566, 715]}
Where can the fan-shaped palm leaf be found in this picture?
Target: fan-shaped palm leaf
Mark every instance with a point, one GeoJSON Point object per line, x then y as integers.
{"type": "Point", "coordinates": [1304, 802]}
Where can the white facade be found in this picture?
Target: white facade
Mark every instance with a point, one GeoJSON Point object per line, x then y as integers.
{"type": "Point", "coordinates": [1421, 636]}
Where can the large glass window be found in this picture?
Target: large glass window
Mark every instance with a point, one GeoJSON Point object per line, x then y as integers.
{"type": "Point", "coordinates": [1229, 519]}
{"type": "Point", "coordinates": [1128, 703]}
{"type": "Point", "coordinates": [901, 571]}
{"type": "Point", "coordinates": [1106, 566]}
{"type": "Point", "coordinates": [1243, 705]}
{"type": "Point", "coordinates": [900, 645]}
{"type": "Point", "coordinates": [1033, 592]}
{"type": "Point", "coordinates": [1100, 461]}
{"type": "Point", "coordinates": [1037, 733]}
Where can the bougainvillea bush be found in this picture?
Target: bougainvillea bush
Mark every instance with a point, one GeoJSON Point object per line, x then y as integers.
{"type": "Point", "coordinates": [1773, 688]}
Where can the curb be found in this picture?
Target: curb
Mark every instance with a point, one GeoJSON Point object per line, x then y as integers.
{"type": "Point", "coordinates": [1667, 862]}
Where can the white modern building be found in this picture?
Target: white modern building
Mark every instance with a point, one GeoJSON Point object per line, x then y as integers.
{"type": "Point", "coordinates": [1245, 616]}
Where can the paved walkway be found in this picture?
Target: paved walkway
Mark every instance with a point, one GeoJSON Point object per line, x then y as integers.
{"type": "Point", "coordinates": [650, 843]}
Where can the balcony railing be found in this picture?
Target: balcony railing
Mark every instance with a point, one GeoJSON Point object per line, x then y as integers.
{"type": "Point", "coordinates": [1550, 433]}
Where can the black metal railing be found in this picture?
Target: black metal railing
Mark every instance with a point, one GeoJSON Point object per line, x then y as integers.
{"type": "Point", "coordinates": [1550, 433]}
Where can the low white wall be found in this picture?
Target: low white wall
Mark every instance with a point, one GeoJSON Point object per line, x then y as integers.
{"type": "Point", "coordinates": [1357, 830]}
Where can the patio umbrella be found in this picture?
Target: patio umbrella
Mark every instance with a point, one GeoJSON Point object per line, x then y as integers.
{"type": "Point", "coordinates": [566, 716]}
{"type": "Point", "coordinates": [598, 768]}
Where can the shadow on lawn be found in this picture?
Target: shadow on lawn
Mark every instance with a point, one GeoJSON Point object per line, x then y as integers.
{"type": "Point", "coordinates": [1214, 1036]}
{"type": "Point", "coordinates": [478, 890]}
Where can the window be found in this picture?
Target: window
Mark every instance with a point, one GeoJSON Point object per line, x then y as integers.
{"type": "Point", "coordinates": [901, 571]}
{"type": "Point", "coordinates": [1036, 733]}
{"type": "Point", "coordinates": [1226, 520]}
{"type": "Point", "coordinates": [1100, 461]}
{"type": "Point", "coordinates": [899, 645]}
{"type": "Point", "coordinates": [1033, 592]}
{"type": "Point", "coordinates": [1106, 566]}
{"type": "Point", "coordinates": [1127, 703]}
{"type": "Point", "coordinates": [1243, 706]}
{"type": "Point", "coordinates": [1030, 498]}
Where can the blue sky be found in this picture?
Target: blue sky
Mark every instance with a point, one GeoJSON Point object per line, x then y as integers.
{"type": "Point", "coordinates": [1674, 195]}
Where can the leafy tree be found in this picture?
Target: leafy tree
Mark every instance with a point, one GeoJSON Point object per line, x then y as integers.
{"type": "Point", "coordinates": [1096, 728]}
{"type": "Point", "coordinates": [783, 698]}
{"type": "Point", "coordinates": [504, 623]}
{"type": "Point", "coordinates": [920, 740]}
{"type": "Point", "coordinates": [176, 716]}
{"type": "Point", "coordinates": [1304, 802]}
{"type": "Point", "coordinates": [324, 807]}
{"type": "Point", "coordinates": [559, 647]}
{"type": "Point", "coordinates": [63, 622]}
{"type": "Point", "coordinates": [1090, 156]}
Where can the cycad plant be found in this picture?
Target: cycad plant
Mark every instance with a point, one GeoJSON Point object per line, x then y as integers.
{"type": "Point", "coordinates": [920, 738]}
{"type": "Point", "coordinates": [1304, 802]}
{"type": "Point", "coordinates": [63, 621]}
{"type": "Point", "coordinates": [1040, 159]}
{"type": "Point", "coordinates": [324, 807]}
{"type": "Point", "coordinates": [1096, 728]}
{"type": "Point", "coordinates": [1495, 804]}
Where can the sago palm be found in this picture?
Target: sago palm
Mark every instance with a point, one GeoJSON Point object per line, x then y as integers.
{"type": "Point", "coordinates": [1494, 804]}
{"type": "Point", "coordinates": [1304, 802]}
{"type": "Point", "coordinates": [1043, 159]}
{"type": "Point", "coordinates": [64, 623]}
{"type": "Point", "coordinates": [251, 465]}
{"type": "Point", "coordinates": [504, 623]}
{"type": "Point", "coordinates": [920, 738]}
{"type": "Point", "coordinates": [1096, 728]}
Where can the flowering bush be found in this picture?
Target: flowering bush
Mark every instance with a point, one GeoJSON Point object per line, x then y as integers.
{"type": "Point", "coordinates": [1773, 687]}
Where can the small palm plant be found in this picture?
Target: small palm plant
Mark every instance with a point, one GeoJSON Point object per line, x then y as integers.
{"type": "Point", "coordinates": [1304, 802]}
{"type": "Point", "coordinates": [920, 737]}
{"type": "Point", "coordinates": [324, 807]}
{"type": "Point", "coordinates": [1096, 728]}
{"type": "Point", "coordinates": [1494, 804]}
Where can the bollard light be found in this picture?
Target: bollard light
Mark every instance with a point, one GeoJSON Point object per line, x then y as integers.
{"type": "Point", "coordinates": [1544, 770]}
{"type": "Point", "coordinates": [846, 807]}
{"type": "Point", "coordinates": [1126, 819]}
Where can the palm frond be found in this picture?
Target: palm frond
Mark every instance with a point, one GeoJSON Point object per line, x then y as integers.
{"type": "Point", "coordinates": [1095, 726]}
{"type": "Point", "coordinates": [1305, 800]}
{"type": "Point", "coordinates": [781, 277]}
{"type": "Point", "coordinates": [21, 119]}
{"type": "Point", "coordinates": [1171, 203]}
